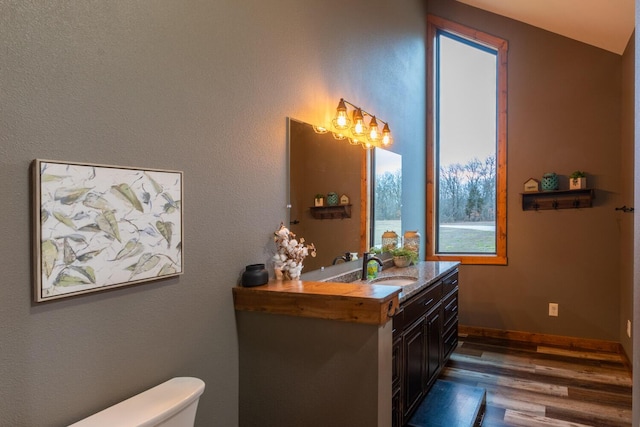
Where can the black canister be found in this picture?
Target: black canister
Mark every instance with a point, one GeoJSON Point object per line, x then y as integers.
{"type": "Point", "coordinates": [255, 275]}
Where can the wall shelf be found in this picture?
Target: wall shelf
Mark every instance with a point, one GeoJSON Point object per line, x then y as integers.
{"type": "Point", "coordinates": [559, 199]}
{"type": "Point", "coordinates": [331, 212]}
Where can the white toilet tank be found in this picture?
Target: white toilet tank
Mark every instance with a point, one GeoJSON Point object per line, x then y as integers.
{"type": "Point", "coordinates": [170, 404]}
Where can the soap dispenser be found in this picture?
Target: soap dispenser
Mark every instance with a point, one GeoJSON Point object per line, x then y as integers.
{"type": "Point", "coordinates": [372, 269]}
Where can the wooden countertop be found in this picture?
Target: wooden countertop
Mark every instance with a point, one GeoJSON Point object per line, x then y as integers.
{"type": "Point", "coordinates": [359, 301]}
{"type": "Point", "coordinates": [348, 302]}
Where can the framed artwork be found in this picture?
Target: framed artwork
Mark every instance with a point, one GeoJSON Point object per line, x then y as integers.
{"type": "Point", "coordinates": [98, 227]}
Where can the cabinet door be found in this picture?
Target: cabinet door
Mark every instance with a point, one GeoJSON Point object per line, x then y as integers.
{"type": "Point", "coordinates": [397, 362]}
{"type": "Point", "coordinates": [434, 344]}
{"type": "Point", "coordinates": [414, 365]}
{"type": "Point", "coordinates": [397, 370]}
{"type": "Point", "coordinates": [396, 408]}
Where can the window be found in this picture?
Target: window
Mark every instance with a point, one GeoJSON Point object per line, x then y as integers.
{"type": "Point", "coordinates": [466, 144]}
{"type": "Point", "coordinates": [386, 174]}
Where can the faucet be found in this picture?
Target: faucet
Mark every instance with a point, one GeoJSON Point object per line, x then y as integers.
{"type": "Point", "coordinates": [346, 258]}
{"type": "Point", "coordinates": [366, 257]}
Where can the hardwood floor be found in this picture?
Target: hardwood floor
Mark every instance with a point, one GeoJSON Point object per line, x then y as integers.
{"type": "Point", "coordinates": [530, 384]}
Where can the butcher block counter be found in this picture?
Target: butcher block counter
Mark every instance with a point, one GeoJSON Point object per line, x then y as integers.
{"type": "Point", "coordinates": [349, 302]}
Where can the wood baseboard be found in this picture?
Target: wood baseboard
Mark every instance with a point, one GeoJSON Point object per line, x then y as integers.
{"type": "Point", "coordinates": [626, 359]}
{"type": "Point", "coordinates": [543, 339]}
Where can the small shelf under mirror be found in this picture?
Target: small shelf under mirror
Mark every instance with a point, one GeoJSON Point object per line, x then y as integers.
{"type": "Point", "coordinates": [331, 212]}
{"type": "Point", "coordinates": [559, 199]}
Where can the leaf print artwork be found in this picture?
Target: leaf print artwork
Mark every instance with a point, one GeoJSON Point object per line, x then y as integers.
{"type": "Point", "coordinates": [157, 187]}
{"type": "Point", "coordinates": [86, 272]}
{"type": "Point", "coordinates": [67, 196]}
{"type": "Point", "coordinates": [167, 269]}
{"type": "Point", "coordinates": [107, 222]}
{"type": "Point", "coordinates": [49, 255]}
{"type": "Point", "coordinates": [95, 201]}
{"type": "Point", "coordinates": [104, 226]}
{"type": "Point", "coordinates": [88, 255]}
{"type": "Point", "coordinates": [132, 248]}
{"type": "Point", "coordinates": [73, 277]}
{"type": "Point", "coordinates": [65, 220]}
{"type": "Point", "coordinates": [171, 205]}
{"type": "Point", "coordinates": [49, 178]}
{"type": "Point", "coordinates": [69, 254]}
{"type": "Point", "coordinates": [145, 263]}
{"type": "Point", "coordinates": [44, 216]}
{"type": "Point", "coordinates": [124, 191]}
{"type": "Point", "coordinates": [165, 228]}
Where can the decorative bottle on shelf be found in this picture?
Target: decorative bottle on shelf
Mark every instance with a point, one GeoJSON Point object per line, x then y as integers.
{"type": "Point", "coordinates": [332, 199]}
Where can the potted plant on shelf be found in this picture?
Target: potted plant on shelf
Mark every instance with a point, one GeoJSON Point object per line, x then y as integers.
{"type": "Point", "coordinates": [403, 257]}
{"type": "Point", "coordinates": [319, 200]}
{"type": "Point", "coordinates": [577, 180]}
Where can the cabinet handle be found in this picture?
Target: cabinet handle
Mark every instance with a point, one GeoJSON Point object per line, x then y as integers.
{"type": "Point", "coordinates": [428, 302]}
{"type": "Point", "coordinates": [391, 311]}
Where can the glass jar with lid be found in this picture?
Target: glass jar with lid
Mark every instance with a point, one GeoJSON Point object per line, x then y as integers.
{"type": "Point", "coordinates": [389, 240]}
{"type": "Point", "coordinates": [412, 241]}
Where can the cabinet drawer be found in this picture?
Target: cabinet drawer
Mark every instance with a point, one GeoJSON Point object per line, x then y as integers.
{"type": "Point", "coordinates": [422, 303]}
{"type": "Point", "coordinates": [450, 341]}
{"type": "Point", "coordinates": [450, 282]}
{"type": "Point", "coordinates": [451, 308]}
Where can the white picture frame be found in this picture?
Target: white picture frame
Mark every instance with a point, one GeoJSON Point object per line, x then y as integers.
{"type": "Point", "coordinates": [99, 227]}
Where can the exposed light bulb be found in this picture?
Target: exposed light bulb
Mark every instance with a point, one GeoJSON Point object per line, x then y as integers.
{"type": "Point", "coordinates": [341, 120]}
{"type": "Point", "coordinates": [386, 134]}
{"type": "Point", "coordinates": [373, 130]}
{"type": "Point", "coordinates": [358, 123]}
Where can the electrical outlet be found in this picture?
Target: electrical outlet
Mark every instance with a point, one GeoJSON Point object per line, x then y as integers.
{"type": "Point", "coordinates": [629, 328]}
{"type": "Point", "coordinates": [553, 309]}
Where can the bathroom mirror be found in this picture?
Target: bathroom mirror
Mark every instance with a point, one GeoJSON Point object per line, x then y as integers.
{"type": "Point", "coordinates": [321, 164]}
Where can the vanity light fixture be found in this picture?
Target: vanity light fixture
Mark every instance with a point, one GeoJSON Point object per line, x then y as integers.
{"type": "Point", "coordinates": [369, 136]}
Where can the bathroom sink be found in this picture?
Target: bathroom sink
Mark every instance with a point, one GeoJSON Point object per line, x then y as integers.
{"type": "Point", "coordinates": [394, 281]}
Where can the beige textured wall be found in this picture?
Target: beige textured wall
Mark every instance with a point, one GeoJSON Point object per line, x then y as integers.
{"type": "Point", "coordinates": [564, 113]}
{"type": "Point", "coordinates": [198, 86]}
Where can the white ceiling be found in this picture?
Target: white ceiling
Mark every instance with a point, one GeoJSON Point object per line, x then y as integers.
{"type": "Point", "coordinates": [607, 24]}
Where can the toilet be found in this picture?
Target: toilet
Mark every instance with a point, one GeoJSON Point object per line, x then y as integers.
{"type": "Point", "coordinates": [170, 404]}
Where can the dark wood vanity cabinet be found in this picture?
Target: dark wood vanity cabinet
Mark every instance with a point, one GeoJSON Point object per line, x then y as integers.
{"type": "Point", "coordinates": [425, 333]}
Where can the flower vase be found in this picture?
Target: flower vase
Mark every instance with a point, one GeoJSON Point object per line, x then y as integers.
{"type": "Point", "coordinates": [278, 273]}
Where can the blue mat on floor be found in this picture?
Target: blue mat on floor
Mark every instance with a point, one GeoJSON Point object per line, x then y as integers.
{"type": "Point", "coordinates": [450, 405]}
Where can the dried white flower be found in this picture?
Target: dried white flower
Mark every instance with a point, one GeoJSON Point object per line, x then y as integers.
{"type": "Point", "coordinates": [290, 252]}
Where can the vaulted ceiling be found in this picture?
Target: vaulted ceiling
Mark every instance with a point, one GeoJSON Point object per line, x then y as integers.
{"type": "Point", "coordinates": [607, 24]}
